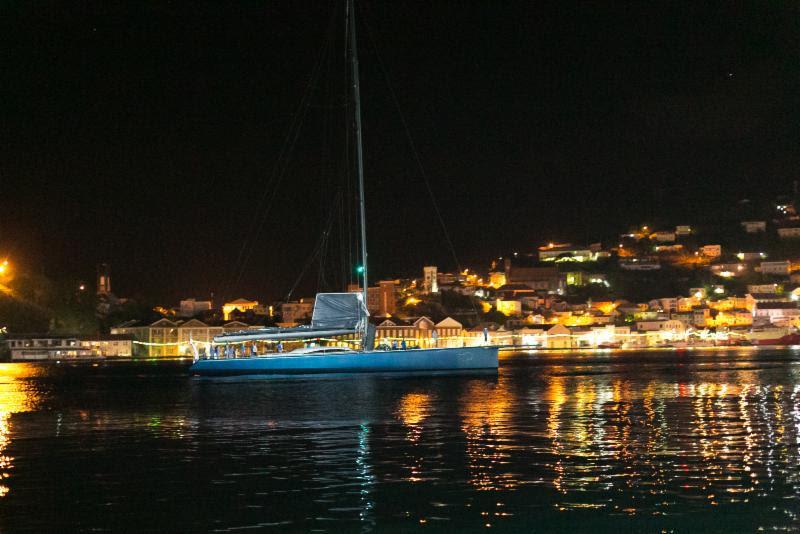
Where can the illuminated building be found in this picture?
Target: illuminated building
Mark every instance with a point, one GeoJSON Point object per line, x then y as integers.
{"type": "Point", "coordinates": [509, 307]}
{"type": "Point", "coordinates": [683, 229]}
{"type": "Point", "coordinates": [191, 307]}
{"type": "Point", "coordinates": [663, 236]}
{"type": "Point", "coordinates": [669, 249]}
{"type": "Point", "coordinates": [430, 283]}
{"type": "Point", "coordinates": [711, 251]}
{"type": "Point", "coordinates": [169, 339]}
{"type": "Point", "coordinates": [381, 299]}
{"type": "Point", "coordinates": [751, 256]}
{"type": "Point", "coordinates": [728, 270]}
{"type": "Point", "coordinates": [103, 279]}
{"type": "Point", "coordinates": [760, 289]}
{"type": "Point", "coordinates": [671, 325]}
{"type": "Point", "coordinates": [497, 279]}
{"type": "Point", "coordinates": [566, 252]}
{"type": "Point", "coordinates": [580, 278]}
{"type": "Point", "coordinates": [420, 332]}
{"type": "Point", "coordinates": [776, 313]}
{"type": "Point", "coordinates": [49, 347]}
{"type": "Point", "coordinates": [776, 267]}
{"type": "Point", "coordinates": [241, 305]}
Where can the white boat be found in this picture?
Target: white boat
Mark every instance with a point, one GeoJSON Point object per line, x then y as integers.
{"type": "Point", "coordinates": [340, 315]}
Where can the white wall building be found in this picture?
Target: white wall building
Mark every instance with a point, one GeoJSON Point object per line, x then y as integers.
{"type": "Point", "coordinates": [49, 347]}
{"type": "Point", "coordinates": [191, 307]}
{"type": "Point", "coordinates": [430, 283]}
{"type": "Point", "coordinates": [789, 233]}
{"type": "Point", "coordinates": [754, 227]}
{"type": "Point", "coordinates": [776, 267]}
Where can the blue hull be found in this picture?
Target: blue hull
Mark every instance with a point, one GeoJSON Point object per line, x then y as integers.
{"type": "Point", "coordinates": [415, 360]}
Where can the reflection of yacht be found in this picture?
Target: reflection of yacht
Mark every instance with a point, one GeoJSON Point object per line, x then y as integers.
{"type": "Point", "coordinates": [339, 317]}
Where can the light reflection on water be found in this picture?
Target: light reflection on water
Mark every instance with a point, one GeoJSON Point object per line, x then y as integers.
{"type": "Point", "coordinates": [553, 442]}
{"type": "Point", "coordinates": [16, 395]}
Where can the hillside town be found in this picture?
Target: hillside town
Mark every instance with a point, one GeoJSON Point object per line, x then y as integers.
{"type": "Point", "coordinates": [654, 286]}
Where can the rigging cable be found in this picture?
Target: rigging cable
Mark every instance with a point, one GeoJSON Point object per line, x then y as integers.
{"type": "Point", "coordinates": [282, 163]}
{"type": "Point", "coordinates": [413, 147]}
{"type": "Point", "coordinates": [417, 158]}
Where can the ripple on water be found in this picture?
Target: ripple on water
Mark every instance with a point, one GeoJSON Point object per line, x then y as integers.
{"type": "Point", "coordinates": [633, 441]}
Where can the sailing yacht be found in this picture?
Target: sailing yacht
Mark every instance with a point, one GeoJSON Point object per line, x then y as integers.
{"type": "Point", "coordinates": [338, 315]}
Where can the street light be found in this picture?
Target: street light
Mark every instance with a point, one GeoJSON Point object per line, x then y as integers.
{"type": "Point", "coordinates": [4, 267]}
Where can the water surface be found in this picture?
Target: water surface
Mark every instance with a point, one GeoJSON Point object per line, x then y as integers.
{"type": "Point", "coordinates": [645, 441]}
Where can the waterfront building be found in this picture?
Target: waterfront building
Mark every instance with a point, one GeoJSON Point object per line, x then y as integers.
{"type": "Point", "coordinates": [166, 338]}
{"type": "Point", "coordinates": [776, 313]}
{"type": "Point", "coordinates": [548, 336]}
{"type": "Point", "coordinates": [683, 230]}
{"type": "Point", "coordinates": [420, 332]}
{"type": "Point", "coordinates": [46, 347]}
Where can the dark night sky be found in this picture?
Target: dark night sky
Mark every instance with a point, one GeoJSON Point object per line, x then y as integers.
{"type": "Point", "coordinates": [144, 134]}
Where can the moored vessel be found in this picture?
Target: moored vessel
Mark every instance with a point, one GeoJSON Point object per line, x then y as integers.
{"type": "Point", "coordinates": [338, 321]}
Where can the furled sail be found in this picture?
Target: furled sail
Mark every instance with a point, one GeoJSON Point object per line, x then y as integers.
{"type": "Point", "coordinates": [335, 314]}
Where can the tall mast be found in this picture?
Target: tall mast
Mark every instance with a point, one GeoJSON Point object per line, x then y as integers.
{"type": "Point", "coordinates": [359, 148]}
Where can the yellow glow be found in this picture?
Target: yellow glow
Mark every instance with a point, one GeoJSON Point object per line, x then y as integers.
{"type": "Point", "coordinates": [497, 279]}
{"type": "Point", "coordinates": [412, 301]}
{"type": "Point", "coordinates": [485, 414]}
{"type": "Point", "coordinates": [508, 307]}
{"type": "Point", "coordinates": [229, 307]}
{"type": "Point", "coordinates": [414, 408]}
{"type": "Point", "coordinates": [15, 397]}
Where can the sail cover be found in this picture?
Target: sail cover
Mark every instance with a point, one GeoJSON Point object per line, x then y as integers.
{"type": "Point", "coordinates": [338, 310]}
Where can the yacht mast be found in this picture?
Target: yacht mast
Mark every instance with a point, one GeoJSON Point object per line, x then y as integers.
{"type": "Point", "coordinates": [359, 148]}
